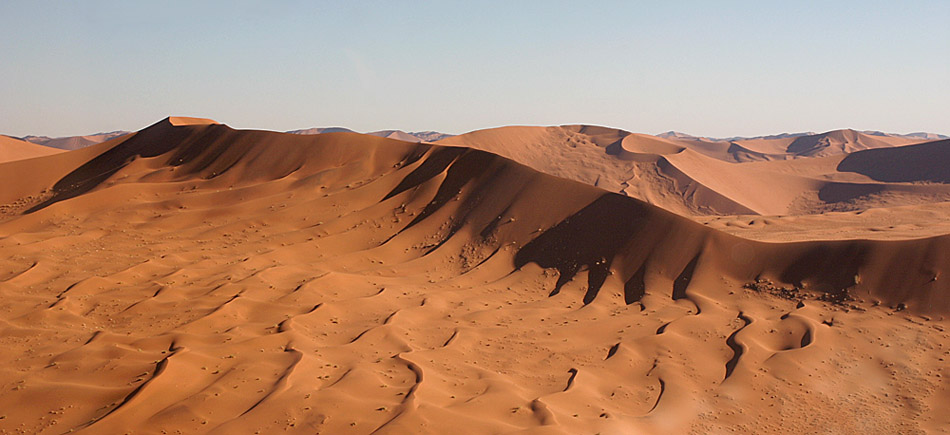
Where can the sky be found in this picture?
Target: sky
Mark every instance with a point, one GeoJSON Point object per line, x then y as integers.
{"type": "Point", "coordinates": [724, 68]}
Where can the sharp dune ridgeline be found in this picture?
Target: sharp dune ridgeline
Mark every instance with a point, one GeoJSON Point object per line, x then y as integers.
{"type": "Point", "coordinates": [198, 278]}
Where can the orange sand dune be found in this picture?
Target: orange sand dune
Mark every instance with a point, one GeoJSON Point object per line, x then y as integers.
{"type": "Point", "coordinates": [818, 145]}
{"type": "Point", "coordinates": [184, 120]}
{"type": "Point", "coordinates": [14, 149]}
{"type": "Point", "coordinates": [794, 146]}
{"type": "Point", "coordinates": [695, 177]}
{"type": "Point", "coordinates": [197, 278]}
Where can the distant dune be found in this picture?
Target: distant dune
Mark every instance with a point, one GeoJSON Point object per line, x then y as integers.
{"type": "Point", "coordinates": [418, 136]}
{"type": "Point", "coordinates": [698, 177]}
{"type": "Point", "coordinates": [15, 149]}
{"type": "Point", "coordinates": [916, 135]}
{"type": "Point", "coordinates": [824, 144]}
{"type": "Point", "coordinates": [74, 142]}
{"type": "Point", "coordinates": [194, 278]}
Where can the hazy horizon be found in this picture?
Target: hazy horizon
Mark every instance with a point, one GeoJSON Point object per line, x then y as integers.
{"type": "Point", "coordinates": [717, 70]}
{"type": "Point", "coordinates": [485, 128]}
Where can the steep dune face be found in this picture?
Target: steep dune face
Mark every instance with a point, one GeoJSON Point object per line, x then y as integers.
{"type": "Point", "coordinates": [926, 162]}
{"type": "Point", "coordinates": [742, 190]}
{"type": "Point", "coordinates": [198, 278]}
{"type": "Point", "coordinates": [26, 180]}
{"type": "Point", "coordinates": [14, 149]}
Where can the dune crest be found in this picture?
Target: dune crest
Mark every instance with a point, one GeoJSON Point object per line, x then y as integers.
{"type": "Point", "coordinates": [184, 120]}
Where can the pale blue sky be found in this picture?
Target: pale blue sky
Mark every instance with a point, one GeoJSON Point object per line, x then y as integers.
{"type": "Point", "coordinates": [720, 68]}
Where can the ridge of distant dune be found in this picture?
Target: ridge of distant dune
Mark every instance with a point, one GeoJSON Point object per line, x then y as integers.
{"type": "Point", "coordinates": [70, 143]}
{"type": "Point", "coordinates": [823, 144]}
{"type": "Point", "coordinates": [321, 130]}
{"type": "Point", "coordinates": [15, 149]}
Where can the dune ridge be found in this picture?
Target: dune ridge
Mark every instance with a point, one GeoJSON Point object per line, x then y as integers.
{"type": "Point", "coordinates": [199, 278]}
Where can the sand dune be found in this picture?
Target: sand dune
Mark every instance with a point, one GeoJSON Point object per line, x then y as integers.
{"type": "Point", "coordinates": [321, 130]}
{"type": "Point", "coordinates": [196, 278]}
{"type": "Point", "coordinates": [69, 143]}
{"type": "Point", "coordinates": [793, 175]}
{"type": "Point", "coordinates": [926, 162]}
{"type": "Point", "coordinates": [819, 145]}
{"type": "Point", "coordinates": [14, 149]}
{"type": "Point", "coordinates": [787, 146]}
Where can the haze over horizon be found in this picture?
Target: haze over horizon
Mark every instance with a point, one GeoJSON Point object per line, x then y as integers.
{"type": "Point", "coordinates": [739, 69]}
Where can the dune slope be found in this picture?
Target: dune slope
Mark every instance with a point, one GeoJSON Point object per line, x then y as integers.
{"type": "Point", "coordinates": [14, 149]}
{"type": "Point", "coordinates": [198, 278]}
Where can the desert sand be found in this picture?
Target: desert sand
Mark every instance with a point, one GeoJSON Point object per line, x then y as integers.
{"type": "Point", "coordinates": [193, 278]}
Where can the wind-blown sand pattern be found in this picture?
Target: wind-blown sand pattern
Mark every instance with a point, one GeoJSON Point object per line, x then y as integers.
{"type": "Point", "coordinates": [194, 278]}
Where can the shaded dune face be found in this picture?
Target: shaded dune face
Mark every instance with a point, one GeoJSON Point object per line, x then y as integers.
{"type": "Point", "coordinates": [198, 278]}
{"type": "Point", "coordinates": [925, 162]}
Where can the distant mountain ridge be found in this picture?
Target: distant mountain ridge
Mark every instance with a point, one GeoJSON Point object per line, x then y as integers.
{"type": "Point", "coordinates": [412, 136]}
{"type": "Point", "coordinates": [915, 135]}
{"type": "Point", "coordinates": [70, 143]}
